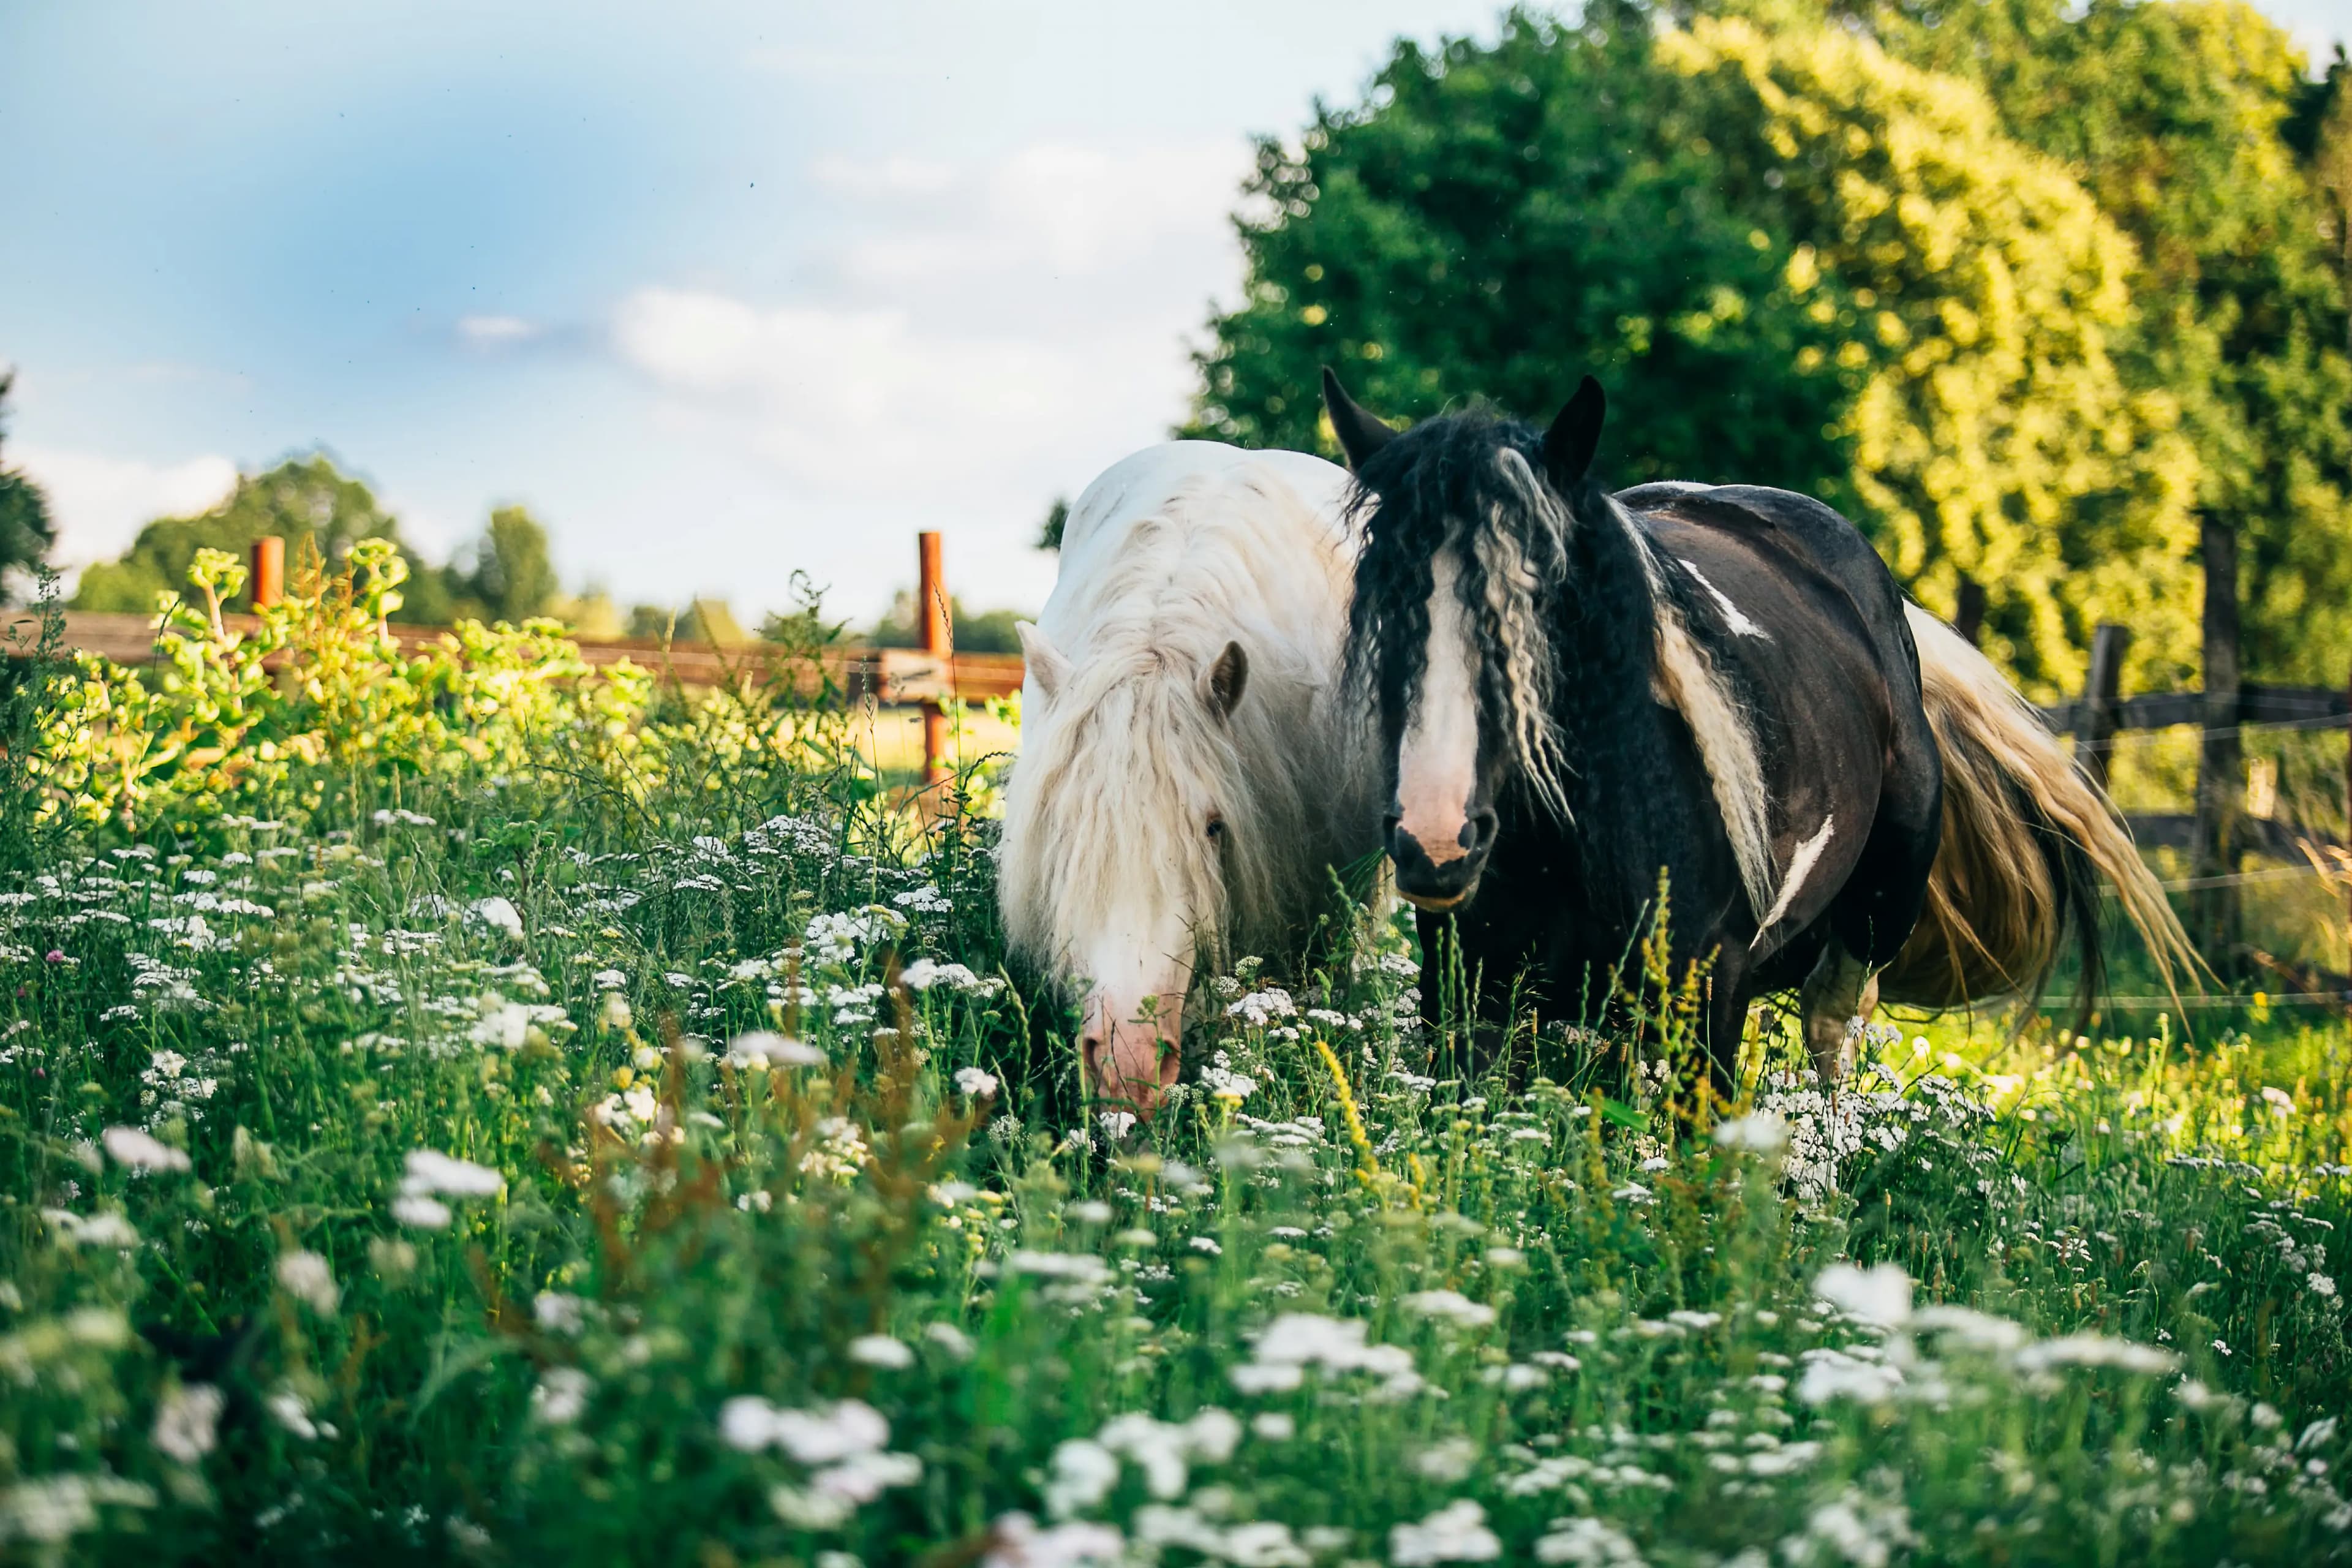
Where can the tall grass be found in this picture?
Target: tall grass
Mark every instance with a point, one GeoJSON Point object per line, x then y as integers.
{"type": "Point", "coordinates": [526, 1162]}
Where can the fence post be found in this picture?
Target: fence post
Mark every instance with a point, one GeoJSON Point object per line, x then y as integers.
{"type": "Point", "coordinates": [938, 641]}
{"type": "Point", "coordinates": [2220, 761]}
{"type": "Point", "coordinates": [269, 575]}
{"type": "Point", "coordinates": [1968, 614]}
{"type": "Point", "coordinates": [2094, 724]}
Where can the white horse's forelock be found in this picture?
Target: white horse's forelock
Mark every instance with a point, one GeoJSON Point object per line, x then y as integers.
{"type": "Point", "coordinates": [1111, 796]}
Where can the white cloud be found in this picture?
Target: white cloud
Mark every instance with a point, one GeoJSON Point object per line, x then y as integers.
{"type": "Point", "coordinates": [983, 338]}
{"type": "Point", "coordinates": [496, 331]}
{"type": "Point", "coordinates": [98, 503]}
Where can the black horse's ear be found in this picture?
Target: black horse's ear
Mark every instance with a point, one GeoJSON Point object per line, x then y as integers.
{"type": "Point", "coordinates": [1360, 434]}
{"type": "Point", "coordinates": [1568, 444]}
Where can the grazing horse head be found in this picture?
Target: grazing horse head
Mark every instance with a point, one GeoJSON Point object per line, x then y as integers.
{"type": "Point", "coordinates": [1465, 554]}
{"type": "Point", "coordinates": [1130, 827]}
{"type": "Point", "coordinates": [1180, 772]}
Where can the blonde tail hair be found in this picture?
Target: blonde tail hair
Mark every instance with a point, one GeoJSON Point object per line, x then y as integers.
{"type": "Point", "coordinates": [2027, 840]}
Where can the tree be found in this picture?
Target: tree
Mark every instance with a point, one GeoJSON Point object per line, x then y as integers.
{"type": "Point", "coordinates": [25, 531]}
{"type": "Point", "coordinates": [509, 575]}
{"type": "Point", "coordinates": [318, 510]}
{"type": "Point", "coordinates": [1995, 433]}
{"type": "Point", "coordinates": [2193, 126]}
{"type": "Point", "coordinates": [1491, 223]}
{"type": "Point", "coordinates": [987, 631]}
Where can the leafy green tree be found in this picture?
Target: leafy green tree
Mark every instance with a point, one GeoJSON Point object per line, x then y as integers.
{"type": "Point", "coordinates": [1997, 433]}
{"type": "Point", "coordinates": [510, 573]}
{"type": "Point", "coordinates": [2024, 285]}
{"type": "Point", "coordinates": [986, 631]}
{"type": "Point", "coordinates": [2194, 125]}
{"type": "Point", "coordinates": [25, 531]}
{"type": "Point", "coordinates": [316, 509]}
{"type": "Point", "coordinates": [1493, 221]}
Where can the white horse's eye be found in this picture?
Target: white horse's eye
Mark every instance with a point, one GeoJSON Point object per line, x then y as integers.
{"type": "Point", "coordinates": [1216, 826]}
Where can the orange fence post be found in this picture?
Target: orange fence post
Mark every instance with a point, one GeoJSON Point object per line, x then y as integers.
{"type": "Point", "coordinates": [938, 641]}
{"type": "Point", "coordinates": [268, 576]}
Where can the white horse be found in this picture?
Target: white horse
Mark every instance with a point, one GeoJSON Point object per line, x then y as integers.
{"type": "Point", "coordinates": [1190, 767]}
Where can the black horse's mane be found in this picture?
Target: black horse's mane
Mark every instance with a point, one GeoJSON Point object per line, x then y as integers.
{"type": "Point", "coordinates": [1451, 482]}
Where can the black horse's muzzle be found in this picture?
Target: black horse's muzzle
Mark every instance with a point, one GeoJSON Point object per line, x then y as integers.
{"type": "Point", "coordinates": [1441, 882]}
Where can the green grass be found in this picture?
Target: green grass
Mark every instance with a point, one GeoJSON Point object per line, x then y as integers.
{"type": "Point", "coordinates": [1375, 1316]}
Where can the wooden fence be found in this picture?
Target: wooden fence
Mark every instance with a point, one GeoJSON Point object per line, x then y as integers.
{"type": "Point", "coordinates": [2219, 833]}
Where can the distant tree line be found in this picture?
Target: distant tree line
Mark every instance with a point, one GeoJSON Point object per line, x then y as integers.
{"type": "Point", "coordinates": [507, 573]}
{"type": "Point", "coordinates": [2029, 288]}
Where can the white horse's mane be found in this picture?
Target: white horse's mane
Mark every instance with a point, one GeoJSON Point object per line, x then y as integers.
{"type": "Point", "coordinates": [1168, 558]}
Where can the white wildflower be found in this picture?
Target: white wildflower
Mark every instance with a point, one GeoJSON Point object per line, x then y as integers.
{"type": "Point", "coordinates": [105, 1228]}
{"type": "Point", "coordinates": [1833, 1374]}
{"type": "Point", "coordinates": [422, 1213]}
{"type": "Point", "coordinates": [1084, 1473]}
{"type": "Point", "coordinates": [431, 1171]}
{"type": "Point", "coordinates": [951, 1339]}
{"type": "Point", "coordinates": [1881, 1295]}
{"type": "Point", "coordinates": [143, 1151]}
{"type": "Point", "coordinates": [187, 1421]}
{"type": "Point", "coordinates": [293, 1412]}
{"type": "Point", "coordinates": [497, 913]}
{"type": "Point", "coordinates": [881, 1350]}
{"type": "Point", "coordinates": [1587, 1543]}
{"type": "Point", "coordinates": [561, 1395]}
{"type": "Point", "coordinates": [1018, 1542]}
{"type": "Point", "coordinates": [1760, 1133]}
{"type": "Point", "coordinates": [2095, 1350]}
{"type": "Point", "coordinates": [1447, 1461]}
{"type": "Point", "coordinates": [977, 1082]}
{"type": "Point", "coordinates": [305, 1277]}
{"type": "Point", "coordinates": [1450, 1306]}
{"type": "Point", "coordinates": [1455, 1533]}
{"type": "Point", "coordinates": [763, 1048]}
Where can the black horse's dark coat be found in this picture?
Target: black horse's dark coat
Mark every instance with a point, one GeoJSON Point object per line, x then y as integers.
{"type": "Point", "coordinates": [1829, 691]}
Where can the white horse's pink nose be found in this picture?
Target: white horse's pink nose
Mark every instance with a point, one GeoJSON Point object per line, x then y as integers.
{"type": "Point", "coordinates": [1127, 1057]}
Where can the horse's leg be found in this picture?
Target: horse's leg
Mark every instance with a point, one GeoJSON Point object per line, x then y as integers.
{"type": "Point", "coordinates": [1841, 991]}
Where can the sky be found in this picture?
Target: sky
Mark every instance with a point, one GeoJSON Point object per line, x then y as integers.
{"type": "Point", "coordinates": [721, 291]}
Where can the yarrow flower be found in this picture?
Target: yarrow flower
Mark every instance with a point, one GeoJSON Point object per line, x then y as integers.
{"type": "Point", "coordinates": [143, 1151]}
{"type": "Point", "coordinates": [187, 1421]}
{"type": "Point", "coordinates": [881, 1350]}
{"type": "Point", "coordinates": [1455, 1533]}
{"type": "Point", "coordinates": [977, 1082]}
{"type": "Point", "coordinates": [1450, 1306]}
{"type": "Point", "coordinates": [761, 1048]}
{"type": "Point", "coordinates": [305, 1277]}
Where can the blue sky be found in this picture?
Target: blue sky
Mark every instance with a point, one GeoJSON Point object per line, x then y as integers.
{"type": "Point", "coordinates": [719, 290]}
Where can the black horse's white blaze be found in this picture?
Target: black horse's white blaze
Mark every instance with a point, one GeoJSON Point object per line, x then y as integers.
{"type": "Point", "coordinates": [1437, 763]}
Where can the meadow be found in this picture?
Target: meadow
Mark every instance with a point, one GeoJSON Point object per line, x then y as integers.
{"type": "Point", "coordinates": [461, 1106]}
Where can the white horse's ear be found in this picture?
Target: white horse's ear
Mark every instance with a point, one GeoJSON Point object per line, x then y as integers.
{"type": "Point", "coordinates": [1045, 662]}
{"type": "Point", "coordinates": [1227, 678]}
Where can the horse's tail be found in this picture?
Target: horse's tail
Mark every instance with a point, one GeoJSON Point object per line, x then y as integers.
{"type": "Point", "coordinates": [2028, 838]}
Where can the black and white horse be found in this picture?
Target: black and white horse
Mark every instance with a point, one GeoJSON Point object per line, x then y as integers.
{"type": "Point", "coordinates": [1577, 690]}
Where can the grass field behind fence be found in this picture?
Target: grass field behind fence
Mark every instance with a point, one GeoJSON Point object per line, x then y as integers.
{"type": "Point", "coordinates": [516, 1161]}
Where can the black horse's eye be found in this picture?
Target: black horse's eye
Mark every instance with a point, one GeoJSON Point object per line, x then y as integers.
{"type": "Point", "coordinates": [1216, 826]}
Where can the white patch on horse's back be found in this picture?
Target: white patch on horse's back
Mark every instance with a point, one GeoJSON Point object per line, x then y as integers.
{"type": "Point", "coordinates": [1800, 866]}
{"type": "Point", "coordinates": [1437, 758]}
{"type": "Point", "coordinates": [1688, 682]}
{"type": "Point", "coordinates": [1733, 616]}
